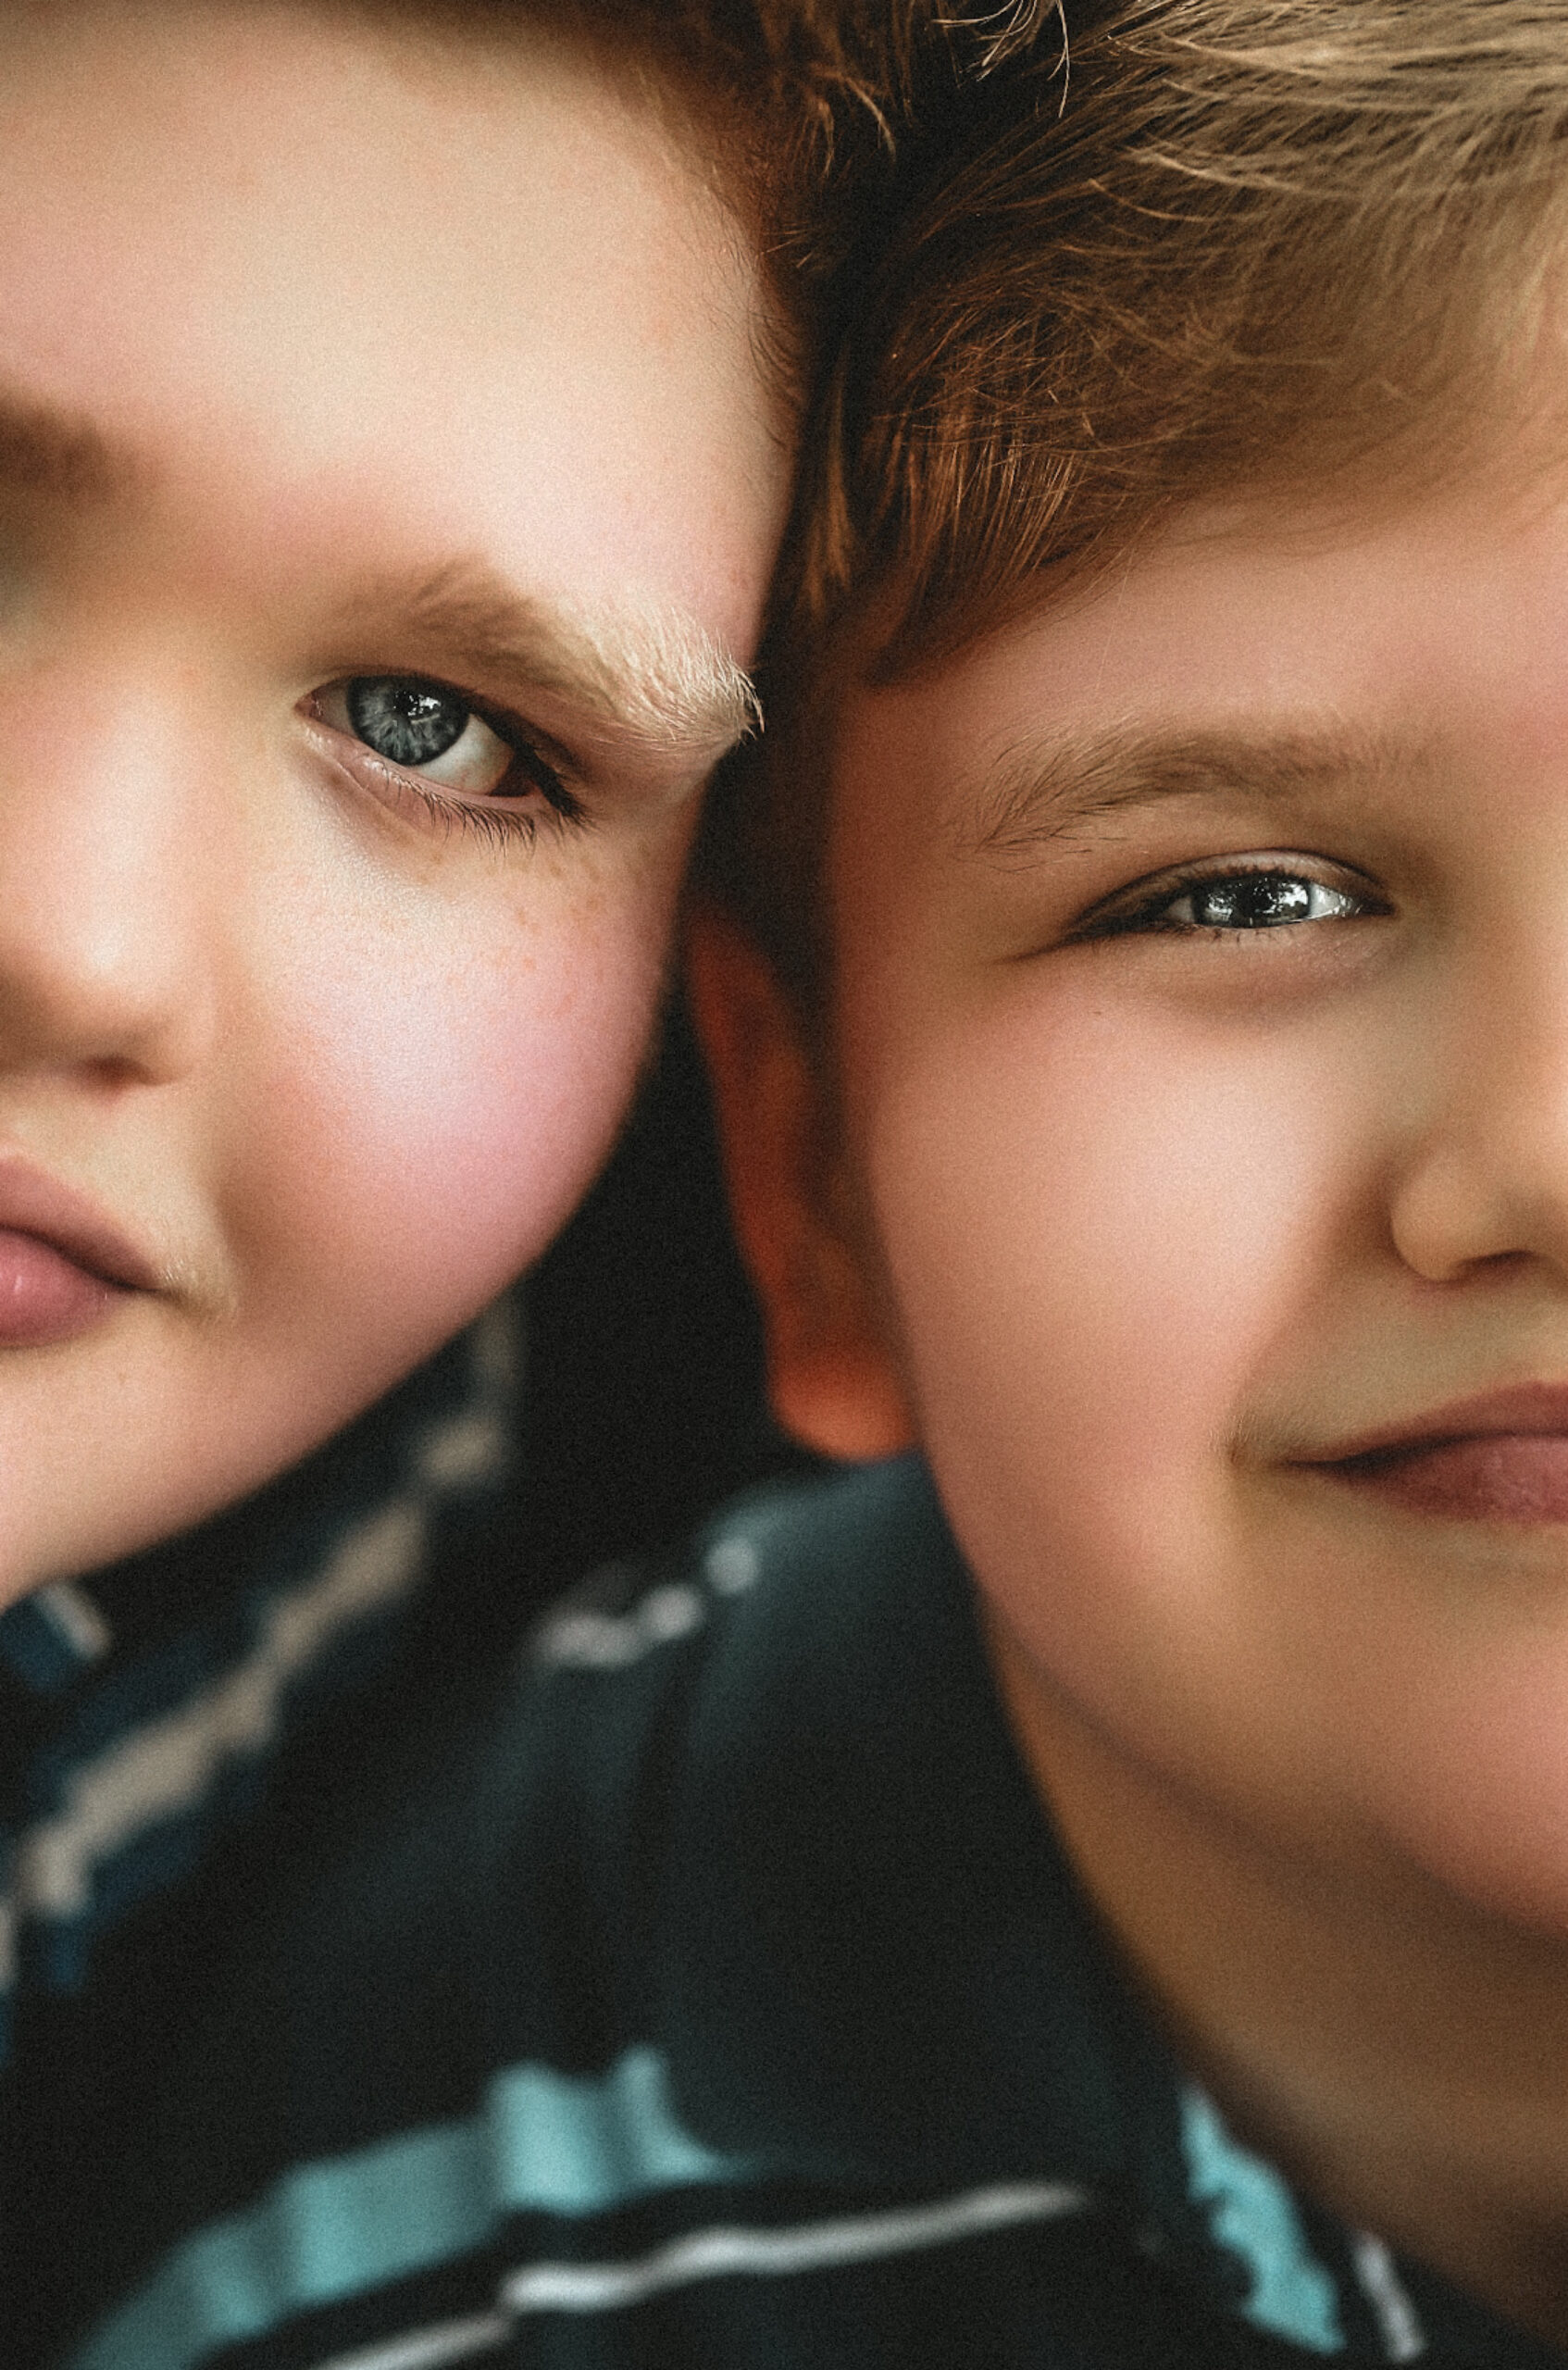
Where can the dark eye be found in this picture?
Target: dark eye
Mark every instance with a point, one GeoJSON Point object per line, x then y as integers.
{"type": "Point", "coordinates": [1267, 896]}
{"type": "Point", "coordinates": [1249, 901]}
{"type": "Point", "coordinates": [1253, 901]}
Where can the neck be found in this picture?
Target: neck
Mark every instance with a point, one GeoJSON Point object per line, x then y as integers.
{"type": "Point", "coordinates": [1404, 2057]}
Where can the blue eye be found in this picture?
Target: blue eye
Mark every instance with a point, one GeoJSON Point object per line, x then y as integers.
{"type": "Point", "coordinates": [470, 768]}
{"type": "Point", "coordinates": [428, 729]}
{"type": "Point", "coordinates": [407, 723]}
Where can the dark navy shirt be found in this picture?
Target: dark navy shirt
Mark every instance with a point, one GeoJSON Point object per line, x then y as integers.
{"type": "Point", "coordinates": [155, 1720]}
{"type": "Point", "coordinates": [714, 1998]}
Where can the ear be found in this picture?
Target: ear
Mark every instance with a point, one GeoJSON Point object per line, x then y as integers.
{"type": "Point", "coordinates": [832, 1382]}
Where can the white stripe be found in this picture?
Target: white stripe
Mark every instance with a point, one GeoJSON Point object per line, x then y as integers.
{"type": "Point", "coordinates": [472, 1447]}
{"type": "Point", "coordinates": [726, 2252]}
{"type": "Point", "coordinates": [495, 1346]}
{"type": "Point", "coordinates": [431, 2348]}
{"type": "Point", "coordinates": [1396, 2316]}
{"type": "Point", "coordinates": [159, 1768]}
{"type": "Point", "coordinates": [166, 1765]}
{"type": "Point", "coordinates": [584, 1640]}
{"type": "Point", "coordinates": [77, 1619]}
{"type": "Point", "coordinates": [732, 1565]}
{"type": "Point", "coordinates": [578, 1638]}
{"type": "Point", "coordinates": [716, 2254]}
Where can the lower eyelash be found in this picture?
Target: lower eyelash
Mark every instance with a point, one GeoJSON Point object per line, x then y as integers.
{"type": "Point", "coordinates": [502, 826]}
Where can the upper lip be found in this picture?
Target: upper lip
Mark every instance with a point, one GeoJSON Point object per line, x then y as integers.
{"type": "Point", "coordinates": [33, 1203]}
{"type": "Point", "coordinates": [1538, 1408]}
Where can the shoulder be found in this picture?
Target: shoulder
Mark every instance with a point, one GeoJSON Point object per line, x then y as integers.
{"type": "Point", "coordinates": [505, 1870]}
{"type": "Point", "coordinates": [156, 1712]}
{"type": "Point", "coordinates": [616, 1687]}
{"type": "Point", "coordinates": [785, 1552]}
{"type": "Point", "coordinates": [520, 1876]}
{"type": "Point", "coordinates": [478, 1923]}
{"type": "Point", "coordinates": [633, 1682]}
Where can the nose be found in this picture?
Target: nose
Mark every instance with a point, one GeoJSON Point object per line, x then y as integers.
{"type": "Point", "coordinates": [104, 845]}
{"type": "Point", "coordinates": [1487, 1180]}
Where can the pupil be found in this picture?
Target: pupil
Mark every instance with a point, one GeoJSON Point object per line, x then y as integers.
{"type": "Point", "coordinates": [407, 723]}
{"type": "Point", "coordinates": [1253, 901]}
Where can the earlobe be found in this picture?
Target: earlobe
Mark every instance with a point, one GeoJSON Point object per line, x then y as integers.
{"type": "Point", "coordinates": [832, 1382]}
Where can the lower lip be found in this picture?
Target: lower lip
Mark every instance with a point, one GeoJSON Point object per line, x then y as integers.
{"type": "Point", "coordinates": [45, 1296]}
{"type": "Point", "coordinates": [1504, 1477]}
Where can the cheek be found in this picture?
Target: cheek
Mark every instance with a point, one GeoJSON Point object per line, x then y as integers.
{"type": "Point", "coordinates": [1099, 1224]}
{"type": "Point", "coordinates": [440, 1112]}
{"type": "Point", "coordinates": [385, 1142]}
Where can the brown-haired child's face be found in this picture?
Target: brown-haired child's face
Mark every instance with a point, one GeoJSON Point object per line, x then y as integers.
{"type": "Point", "coordinates": [387, 490]}
{"type": "Point", "coordinates": [1202, 1006]}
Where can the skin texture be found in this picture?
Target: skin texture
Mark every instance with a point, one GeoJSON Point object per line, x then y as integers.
{"type": "Point", "coordinates": [1131, 1227]}
{"type": "Point", "coordinates": [330, 351]}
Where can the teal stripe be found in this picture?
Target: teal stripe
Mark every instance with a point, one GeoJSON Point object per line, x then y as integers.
{"type": "Point", "coordinates": [544, 2142]}
{"type": "Point", "coordinates": [1252, 2211]}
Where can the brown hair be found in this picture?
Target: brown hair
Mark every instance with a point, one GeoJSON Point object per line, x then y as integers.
{"type": "Point", "coordinates": [1138, 253]}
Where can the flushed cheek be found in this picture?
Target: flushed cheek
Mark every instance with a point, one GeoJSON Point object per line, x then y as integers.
{"type": "Point", "coordinates": [430, 1126]}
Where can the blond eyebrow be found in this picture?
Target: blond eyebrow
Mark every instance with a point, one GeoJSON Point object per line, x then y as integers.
{"type": "Point", "coordinates": [46, 450]}
{"type": "Point", "coordinates": [1040, 792]}
{"type": "Point", "coordinates": [650, 677]}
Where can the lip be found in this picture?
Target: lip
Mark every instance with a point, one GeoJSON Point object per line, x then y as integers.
{"type": "Point", "coordinates": [1530, 1410]}
{"type": "Point", "coordinates": [32, 1202]}
{"type": "Point", "coordinates": [1500, 1457]}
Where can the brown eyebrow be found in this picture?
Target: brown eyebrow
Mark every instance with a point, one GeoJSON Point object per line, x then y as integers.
{"type": "Point", "coordinates": [1039, 793]}
{"type": "Point", "coordinates": [60, 454]}
{"type": "Point", "coordinates": [651, 677]}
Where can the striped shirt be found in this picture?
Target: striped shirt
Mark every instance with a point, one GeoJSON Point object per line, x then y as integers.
{"type": "Point", "coordinates": [716, 1998]}
{"type": "Point", "coordinates": [149, 1715]}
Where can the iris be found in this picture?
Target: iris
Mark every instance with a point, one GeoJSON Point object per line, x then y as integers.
{"type": "Point", "coordinates": [408, 723]}
{"type": "Point", "coordinates": [1251, 900]}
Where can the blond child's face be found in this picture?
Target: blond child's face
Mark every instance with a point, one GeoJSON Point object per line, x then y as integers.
{"type": "Point", "coordinates": [1203, 1001]}
{"type": "Point", "coordinates": [387, 491]}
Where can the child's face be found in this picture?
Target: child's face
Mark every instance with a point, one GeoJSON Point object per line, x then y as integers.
{"type": "Point", "coordinates": [327, 359]}
{"type": "Point", "coordinates": [1178, 1215]}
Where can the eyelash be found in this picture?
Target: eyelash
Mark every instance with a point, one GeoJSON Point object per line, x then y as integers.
{"type": "Point", "coordinates": [501, 826]}
{"type": "Point", "coordinates": [1113, 920]}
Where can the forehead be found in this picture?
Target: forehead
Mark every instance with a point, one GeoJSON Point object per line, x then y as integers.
{"type": "Point", "coordinates": [1282, 647]}
{"type": "Point", "coordinates": [308, 268]}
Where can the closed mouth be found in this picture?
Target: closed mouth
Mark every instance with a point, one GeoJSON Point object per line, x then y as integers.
{"type": "Point", "coordinates": [1500, 1457]}
{"type": "Point", "coordinates": [65, 1221]}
